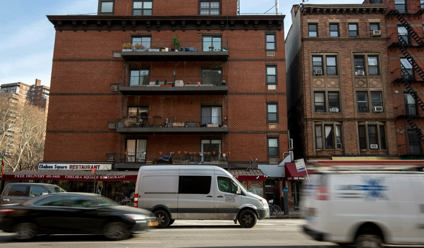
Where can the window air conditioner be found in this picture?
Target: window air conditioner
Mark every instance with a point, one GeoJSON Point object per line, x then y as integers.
{"type": "Point", "coordinates": [376, 33]}
{"type": "Point", "coordinates": [334, 110]}
{"type": "Point", "coordinates": [360, 73]}
{"type": "Point", "coordinates": [318, 72]}
{"type": "Point", "coordinates": [374, 146]}
{"type": "Point", "coordinates": [378, 109]}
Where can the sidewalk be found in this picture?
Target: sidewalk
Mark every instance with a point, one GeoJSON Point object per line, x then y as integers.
{"type": "Point", "coordinates": [295, 214]}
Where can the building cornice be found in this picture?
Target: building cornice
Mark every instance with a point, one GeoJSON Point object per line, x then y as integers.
{"type": "Point", "coordinates": [343, 9]}
{"type": "Point", "coordinates": [153, 23]}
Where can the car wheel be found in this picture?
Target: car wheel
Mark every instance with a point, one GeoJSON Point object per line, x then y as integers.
{"type": "Point", "coordinates": [163, 218]}
{"type": "Point", "coordinates": [26, 231]}
{"type": "Point", "coordinates": [247, 218]}
{"type": "Point", "coordinates": [116, 231]}
{"type": "Point", "coordinates": [368, 241]}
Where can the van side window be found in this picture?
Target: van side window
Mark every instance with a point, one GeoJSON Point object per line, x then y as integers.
{"type": "Point", "coordinates": [18, 190]}
{"type": "Point", "coordinates": [225, 184]}
{"type": "Point", "coordinates": [194, 185]}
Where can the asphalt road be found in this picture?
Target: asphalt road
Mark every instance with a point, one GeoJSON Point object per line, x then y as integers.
{"type": "Point", "coordinates": [270, 233]}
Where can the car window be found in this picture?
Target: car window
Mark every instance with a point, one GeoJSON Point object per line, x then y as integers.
{"type": "Point", "coordinates": [225, 184]}
{"type": "Point", "coordinates": [53, 201]}
{"type": "Point", "coordinates": [18, 190]}
{"type": "Point", "coordinates": [37, 190]}
{"type": "Point", "coordinates": [55, 189]}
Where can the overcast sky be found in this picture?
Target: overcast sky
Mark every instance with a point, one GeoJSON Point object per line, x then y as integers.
{"type": "Point", "coordinates": [27, 37]}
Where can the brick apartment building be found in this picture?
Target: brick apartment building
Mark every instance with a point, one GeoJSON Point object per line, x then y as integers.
{"type": "Point", "coordinates": [35, 94]}
{"type": "Point", "coordinates": [144, 80]}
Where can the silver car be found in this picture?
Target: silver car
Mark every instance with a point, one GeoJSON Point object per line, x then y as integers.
{"type": "Point", "coordinates": [22, 192]}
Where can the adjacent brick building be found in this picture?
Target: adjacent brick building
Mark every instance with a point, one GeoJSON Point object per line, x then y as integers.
{"type": "Point", "coordinates": [143, 80]}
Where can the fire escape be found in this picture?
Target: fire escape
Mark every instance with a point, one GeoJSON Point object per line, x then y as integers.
{"type": "Point", "coordinates": [407, 77]}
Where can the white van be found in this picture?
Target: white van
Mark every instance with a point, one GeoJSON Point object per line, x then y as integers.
{"type": "Point", "coordinates": [196, 192]}
{"type": "Point", "coordinates": [365, 208]}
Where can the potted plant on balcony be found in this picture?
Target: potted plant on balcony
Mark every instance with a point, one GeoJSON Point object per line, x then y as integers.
{"type": "Point", "coordinates": [175, 43]}
{"type": "Point", "coordinates": [127, 47]}
{"type": "Point", "coordinates": [139, 47]}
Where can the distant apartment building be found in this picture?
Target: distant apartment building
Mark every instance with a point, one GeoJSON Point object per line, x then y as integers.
{"type": "Point", "coordinates": [35, 94]}
{"type": "Point", "coordinates": [340, 81]}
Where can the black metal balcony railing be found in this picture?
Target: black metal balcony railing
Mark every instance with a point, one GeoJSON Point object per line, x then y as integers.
{"type": "Point", "coordinates": [187, 50]}
{"type": "Point", "coordinates": [159, 124]}
{"type": "Point", "coordinates": [178, 157]}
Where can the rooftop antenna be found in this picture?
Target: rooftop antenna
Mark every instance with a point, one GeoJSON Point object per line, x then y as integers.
{"type": "Point", "coordinates": [277, 6]}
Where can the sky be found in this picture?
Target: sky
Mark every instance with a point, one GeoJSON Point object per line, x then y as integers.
{"type": "Point", "coordinates": [27, 37]}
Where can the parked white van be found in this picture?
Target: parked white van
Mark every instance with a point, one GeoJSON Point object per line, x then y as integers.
{"type": "Point", "coordinates": [365, 208]}
{"type": "Point", "coordinates": [196, 192]}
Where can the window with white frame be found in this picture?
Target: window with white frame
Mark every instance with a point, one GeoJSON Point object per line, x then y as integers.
{"type": "Point", "coordinates": [142, 7]}
{"type": "Point", "coordinates": [209, 7]}
{"type": "Point", "coordinates": [372, 136]}
{"type": "Point", "coordinates": [328, 136]}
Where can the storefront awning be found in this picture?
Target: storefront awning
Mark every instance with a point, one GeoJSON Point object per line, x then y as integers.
{"type": "Point", "coordinates": [252, 174]}
{"type": "Point", "coordinates": [292, 173]}
{"type": "Point", "coordinates": [71, 175]}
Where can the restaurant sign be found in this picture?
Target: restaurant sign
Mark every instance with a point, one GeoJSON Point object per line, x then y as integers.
{"type": "Point", "coordinates": [55, 166]}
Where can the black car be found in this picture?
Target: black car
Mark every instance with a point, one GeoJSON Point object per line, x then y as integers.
{"type": "Point", "coordinates": [74, 213]}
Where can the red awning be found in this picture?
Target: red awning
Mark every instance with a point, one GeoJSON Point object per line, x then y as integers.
{"type": "Point", "coordinates": [292, 173]}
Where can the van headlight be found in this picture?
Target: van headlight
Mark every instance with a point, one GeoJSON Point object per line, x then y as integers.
{"type": "Point", "coordinates": [136, 217]}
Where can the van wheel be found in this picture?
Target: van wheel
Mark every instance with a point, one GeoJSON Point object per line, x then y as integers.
{"type": "Point", "coordinates": [368, 241]}
{"type": "Point", "coordinates": [163, 218]}
{"type": "Point", "coordinates": [247, 218]}
{"type": "Point", "coordinates": [25, 231]}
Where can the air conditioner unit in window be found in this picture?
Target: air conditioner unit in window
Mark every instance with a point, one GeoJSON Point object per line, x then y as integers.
{"type": "Point", "coordinates": [359, 73]}
{"type": "Point", "coordinates": [318, 72]}
{"type": "Point", "coordinates": [378, 109]}
{"type": "Point", "coordinates": [334, 110]}
{"type": "Point", "coordinates": [374, 146]}
{"type": "Point", "coordinates": [376, 33]}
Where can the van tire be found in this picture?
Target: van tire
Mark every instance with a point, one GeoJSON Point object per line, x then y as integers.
{"type": "Point", "coordinates": [163, 218]}
{"type": "Point", "coordinates": [247, 218]}
{"type": "Point", "coordinates": [368, 241]}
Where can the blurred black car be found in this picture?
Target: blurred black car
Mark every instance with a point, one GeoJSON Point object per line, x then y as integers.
{"type": "Point", "coordinates": [74, 213]}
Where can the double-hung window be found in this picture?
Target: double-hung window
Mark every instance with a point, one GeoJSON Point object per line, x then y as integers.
{"type": "Point", "coordinates": [406, 69]}
{"type": "Point", "coordinates": [362, 102]}
{"type": "Point", "coordinates": [331, 65]}
{"type": "Point", "coordinates": [270, 42]}
{"type": "Point", "coordinates": [212, 43]}
{"type": "Point", "coordinates": [106, 6]}
{"type": "Point", "coordinates": [273, 147]}
{"type": "Point", "coordinates": [373, 68]}
{"type": "Point", "coordinates": [139, 77]}
{"type": "Point", "coordinates": [400, 5]}
{"type": "Point", "coordinates": [334, 30]}
{"type": "Point", "coordinates": [319, 101]}
{"type": "Point", "coordinates": [211, 115]}
{"type": "Point", "coordinates": [142, 41]}
{"type": "Point", "coordinates": [353, 29]}
{"type": "Point", "coordinates": [333, 102]}
{"type": "Point", "coordinates": [328, 136]}
{"type": "Point", "coordinates": [403, 35]}
{"type": "Point", "coordinates": [313, 30]}
{"type": "Point", "coordinates": [272, 113]}
{"type": "Point", "coordinates": [359, 64]}
{"type": "Point", "coordinates": [372, 136]}
{"type": "Point", "coordinates": [317, 65]}
{"type": "Point", "coordinates": [142, 7]}
{"type": "Point", "coordinates": [410, 105]}
{"type": "Point", "coordinates": [377, 101]}
{"type": "Point", "coordinates": [209, 7]}
{"type": "Point", "coordinates": [374, 27]}
{"type": "Point", "coordinates": [271, 74]}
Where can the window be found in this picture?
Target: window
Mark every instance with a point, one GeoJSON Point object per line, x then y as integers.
{"type": "Point", "coordinates": [410, 105]}
{"type": "Point", "coordinates": [403, 35]}
{"type": "Point", "coordinates": [359, 64]}
{"type": "Point", "coordinates": [210, 149]}
{"type": "Point", "coordinates": [406, 69]}
{"type": "Point", "coordinates": [333, 102]}
{"type": "Point", "coordinates": [211, 76]}
{"type": "Point", "coordinates": [422, 4]}
{"type": "Point", "coordinates": [319, 101]}
{"type": "Point", "coordinates": [138, 115]}
{"type": "Point", "coordinates": [353, 29]}
{"type": "Point", "coordinates": [331, 65]}
{"type": "Point", "coordinates": [313, 30]}
{"type": "Point", "coordinates": [227, 185]}
{"type": "Point", "coordinates": [142, 8]}
{"type": "Point", "coordinates": [317, 65]}
{"type": "Point", "coordinates": [18, 190]}
{"type": "Point", "coordinates": [414, 142]}
{"type": "Point", "coordinates": [209, 7]}
{"type": "Point", "coordinates": [334, 30]}
{"type": "Point", "coordinates": [136, 150]}
{"type": "Point", "coordinates": [272, 113]}
{"type": "Point", "coordinates": [332, 138]}
{"type": "Point", "coordinates": [144, 41]}
{"type": "Point", "coordinates": [106, 7]}
{"type": "Point", "coordinates": [273, 149]}
{"type": "Point", "coordinates": [400, 5]}
{"type": "Point", "coordinates": [194, 184]}
{"type": "Point", "coordinates": [212, 43]}
{"type": "Point", "coordinates": [377, 101]}
{"type": "Point", "coordinates": [271, 74]}
{"type": "Point", "coordinates": [211, 115]}
{"type": "Point", "coordinates": [37, 190]}
{"type": "Point", "coordinates": [372, 136]}
{"type": "Point", "coordinates": [139, 77]}
{"type": "Point", "coordinates": [270, 42]}
{"type": "Point", "coordinates": [362, 101]}
{"type": "Point", "coordinates": [373, 65]}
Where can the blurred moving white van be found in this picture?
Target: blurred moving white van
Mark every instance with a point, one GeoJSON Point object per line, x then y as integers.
{"type": "Point", "coordinates": [365, 208]}
{"type": "Point", "coordinates": [196, 192]}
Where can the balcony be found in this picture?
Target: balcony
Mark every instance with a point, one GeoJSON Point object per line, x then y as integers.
{"type": "Point", "coordinates": [158, 124]}
{"type": "Point", "coordinates": [166, 51]}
